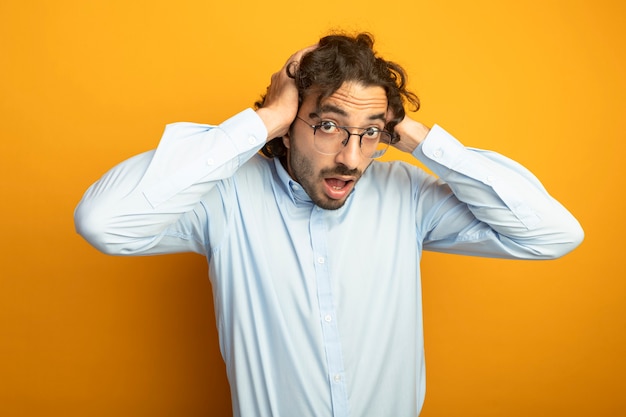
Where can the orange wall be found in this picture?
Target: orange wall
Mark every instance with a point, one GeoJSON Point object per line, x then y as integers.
{"type": "Point", "coordinates": [85, 84]}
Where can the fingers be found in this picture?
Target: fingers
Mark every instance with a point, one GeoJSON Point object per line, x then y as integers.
{"type": "Point", "coordinates": [411, 134]}
{"type": "Point", "coordinates": [282, 83]}
{"type": "Point", "coordinates": [280, 104]}
{"type": "Point", "coordinates": [294, 60]}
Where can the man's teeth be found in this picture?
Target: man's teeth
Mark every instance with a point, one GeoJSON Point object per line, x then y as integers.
{"type": "Point", "coordinates": [336, 184]}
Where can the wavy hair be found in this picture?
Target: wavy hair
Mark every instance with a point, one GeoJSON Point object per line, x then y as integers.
{"type": "Point", "coordinates": [340, 58]}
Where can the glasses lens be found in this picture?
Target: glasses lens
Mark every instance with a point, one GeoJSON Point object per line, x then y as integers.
{"type": "Point", "coordinates": [329, 138]}
{"type": "Point", "coordinates": [379, 148]}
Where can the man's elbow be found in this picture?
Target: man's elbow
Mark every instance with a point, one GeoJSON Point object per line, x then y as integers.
{"type": "Point", "coordinates": [577, 235]}
{"type": "Point", "coordinates": [569, 238]}
{"type": "Point", "coordinates": [92, 227]}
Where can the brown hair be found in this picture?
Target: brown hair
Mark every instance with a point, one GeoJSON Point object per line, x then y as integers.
{"type": "Point", "coordinates": [340, 58]}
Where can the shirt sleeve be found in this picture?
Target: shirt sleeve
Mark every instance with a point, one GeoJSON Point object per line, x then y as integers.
{"type": "Point", "coordinates": [147, 204]}
{"type": "Point", "coordinates": [496, 207]}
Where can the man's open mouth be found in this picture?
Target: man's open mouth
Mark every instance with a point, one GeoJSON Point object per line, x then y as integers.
{"type": "Point", "coordinates": [337, 188]}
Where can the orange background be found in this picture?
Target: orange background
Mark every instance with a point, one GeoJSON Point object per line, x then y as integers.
{"type": "Point", "coordinates": [85, 84]}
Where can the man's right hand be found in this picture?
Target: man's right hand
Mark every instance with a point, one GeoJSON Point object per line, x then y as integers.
{"type": "Point", "coordinates": [281, 100]}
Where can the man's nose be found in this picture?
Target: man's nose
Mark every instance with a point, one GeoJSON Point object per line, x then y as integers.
{"type": "Point", "coordinates": [350, 155]}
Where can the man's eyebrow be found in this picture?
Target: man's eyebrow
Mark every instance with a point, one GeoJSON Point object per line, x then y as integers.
{"type": "Point", "coordinates": [327, 108]}
{"type": "Point", "coordinates": [379, 116]}
{"type": "Point", "coordinates": [331, 108]}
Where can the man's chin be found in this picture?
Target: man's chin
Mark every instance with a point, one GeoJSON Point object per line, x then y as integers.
{"type": "Point", "coordinates": [327, 203]}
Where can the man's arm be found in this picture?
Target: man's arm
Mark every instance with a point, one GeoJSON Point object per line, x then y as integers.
{"type": "Point", "coordinates": [506, 212]}
{"type": "Point", "coordinates": [147, 204]}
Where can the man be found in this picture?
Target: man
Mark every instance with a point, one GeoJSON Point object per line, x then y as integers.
{"type": "Point", "coordinates": [314, 251]}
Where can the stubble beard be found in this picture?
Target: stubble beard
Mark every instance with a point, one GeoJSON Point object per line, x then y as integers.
{"type": "Point", "coordinates": [302, 171]}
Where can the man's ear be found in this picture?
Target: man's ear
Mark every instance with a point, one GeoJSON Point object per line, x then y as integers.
{"type": "Point", "coordinates": [287, 140]}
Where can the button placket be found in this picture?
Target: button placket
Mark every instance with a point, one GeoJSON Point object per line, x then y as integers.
{"type": "Point", "coordinates": [330, 331]}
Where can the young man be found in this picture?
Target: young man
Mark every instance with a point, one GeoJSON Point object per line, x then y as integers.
{"type": "Point", "coordinates": [314, 248]}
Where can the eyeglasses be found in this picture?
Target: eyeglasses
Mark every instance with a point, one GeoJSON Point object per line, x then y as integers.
{"type": "Point", "coordinates": [330, 139]}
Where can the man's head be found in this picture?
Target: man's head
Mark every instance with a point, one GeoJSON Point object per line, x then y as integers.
{"type": "Point", "coordinates": [342, 58]}
{"type": "Point", "coordinates": [340, 83]}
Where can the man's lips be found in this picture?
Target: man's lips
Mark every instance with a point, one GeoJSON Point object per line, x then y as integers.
{"type": "Point", "coordinates": [336, 182]}
{"type": "Point", "coordinates": [338, 188]}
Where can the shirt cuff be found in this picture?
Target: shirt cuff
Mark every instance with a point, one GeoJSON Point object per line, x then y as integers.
{"type": "Point", "coordinates": [439, 151]}
{"type": "Point", "coordinates": [246, 130]}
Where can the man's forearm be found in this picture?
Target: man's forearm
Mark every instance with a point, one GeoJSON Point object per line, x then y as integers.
{"type": "Point", "coordinates": [502, 194]}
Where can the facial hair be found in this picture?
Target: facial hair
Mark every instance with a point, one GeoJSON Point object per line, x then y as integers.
{"type": "Point", "coordinates": [301, 169]}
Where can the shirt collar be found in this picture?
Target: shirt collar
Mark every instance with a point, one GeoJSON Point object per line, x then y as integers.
{"type": "Point", "coordinates": [295, 191]}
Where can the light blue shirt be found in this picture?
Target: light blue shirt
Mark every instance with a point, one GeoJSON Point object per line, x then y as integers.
{"type": "Point", "coordinates": [319, 312]}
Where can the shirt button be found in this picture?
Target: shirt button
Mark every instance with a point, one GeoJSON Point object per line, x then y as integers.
{"type": "Point", "coordinates": [337, 378]}
{"type": "Point", "coordinates": [251, 140]}
{"type": "Point", "coordinates": [438, 153]}
{"type": "Point", "coordinates": [328, 318]}
{"type": "Point", "coordinates": [210, 161]}
{"type": "Point", "coordinates": [490, 179]}
{"type": "Point", "coordinates": [320, 260]}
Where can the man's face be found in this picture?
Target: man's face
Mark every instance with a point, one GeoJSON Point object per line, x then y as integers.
{"type": "Point", "coordinates": [329, 179]}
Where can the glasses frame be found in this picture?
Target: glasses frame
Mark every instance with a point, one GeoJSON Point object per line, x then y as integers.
{"type": "Point", "coordinates": [344, 142]}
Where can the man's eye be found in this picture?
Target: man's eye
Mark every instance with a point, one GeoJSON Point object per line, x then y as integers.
{"type": "Point", "coordinates": [327, 127]}
{"type": "Point", "coordinates": [372, 132]}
